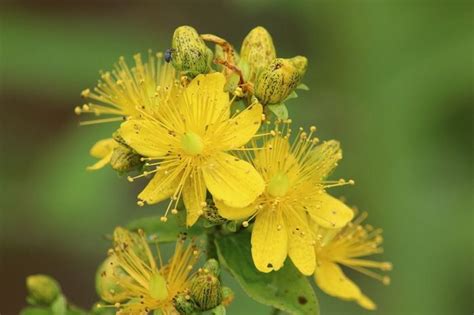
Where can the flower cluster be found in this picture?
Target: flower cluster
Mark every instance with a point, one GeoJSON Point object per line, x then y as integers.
{"type": "Point", "coordinates": [209, 130]}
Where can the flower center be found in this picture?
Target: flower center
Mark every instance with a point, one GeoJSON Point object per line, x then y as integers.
{"type": "Point", "coordinates": [278, 185]}
{"type": "Point", "coordinates": [157, 287]}
{"type": "Point", "coordinates": [192, 144]}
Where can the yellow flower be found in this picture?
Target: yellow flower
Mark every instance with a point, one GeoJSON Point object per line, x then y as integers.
{"type": "Point", "coordinates": [184, 143]}
{"type": "Point", "coordinates": [346, 247]}
{"type": "Point", "coordinates": [294, 174]}
{"type": "Point", "coordinates": [146, 283]}
{"type": "Point", "coordinates": [122, 93]}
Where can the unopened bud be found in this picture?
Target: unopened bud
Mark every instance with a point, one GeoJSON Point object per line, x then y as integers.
{"type": "Point", "coordinates": [278, 80]}
{"type": "Point", "coordinates": [257, 50]}
{"type": "Point", "coordinates": [300, 63]}
{"type": "Point", "coordinates": [124, 159]}
{"type": "Point", "coordinates": [206, 288]}
{"type": "Point", "coordinates": [42, 289]}
{"type": "Point", "coordinates": [189, 52]}
{"type": "Point", "coordinates": [184, 304]}
{"type": "Point", "coordinates": [107, 280]}
{"type": "Point", "coordinates": [212, 266]}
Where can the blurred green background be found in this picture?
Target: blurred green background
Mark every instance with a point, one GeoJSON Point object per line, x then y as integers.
{"type": "Point", "coordinates": [392, 80]}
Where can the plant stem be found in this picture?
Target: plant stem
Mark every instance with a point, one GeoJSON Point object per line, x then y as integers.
{"type": "Point", "coordinates": [211, 246]}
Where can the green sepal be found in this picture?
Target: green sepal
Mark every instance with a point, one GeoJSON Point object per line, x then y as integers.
{"type": "Point", "coordinates": [279, 110]}
{"type": "Point", "coordinates": [244, 68]}
{"type": "Point", "coordinates": [303, 87]}
{"type": "Point", "coordinates": [291, 96]}
{"type": "Point", "coordinates": [232, 82]}
{"type": "Point", "coordinates": [286, 289]}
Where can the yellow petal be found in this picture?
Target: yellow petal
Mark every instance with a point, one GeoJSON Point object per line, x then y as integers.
{"type": "Point", "coordinates": [329, 212]}
{"type": "Point", "coordinates": [146, 137]}
{"type": "Point", "coordinates": [269, 241]}
{"type": "Point", "coordinates": [330, 278]}
{"type": "Point", "coordinates": [160, 187]}
{"type": "Point", "coordinates": [232, 180]}
{"type": "Point", "coordinates": [300, 242]}
{"type": "Point", "coordinates": [237, 131]}
{"type": "Point", "coordinates": [231, 213]}
{"type": "Point", "coordinates": [103, 147]}
{"type": "Point", "coordinates": [324, 158]}
{"type": "Point", "coordinates": [366, 302]}
{"type": "Point", "coordinates": [101, 163]}
{"type": "Point", "coordinates": [194, 195]}
{"type": "Point", "coordinates": [205, 99]}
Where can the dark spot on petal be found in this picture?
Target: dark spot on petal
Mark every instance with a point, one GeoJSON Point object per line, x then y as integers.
{"type": "Point", "coordinates": [302, 300]}
{"type": "Point", "coordinates": [269, 265]}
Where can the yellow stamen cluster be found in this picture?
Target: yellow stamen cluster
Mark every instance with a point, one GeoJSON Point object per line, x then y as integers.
{"type": "Point", "coordinates": [125, 90]}
{"type": "Point", "coordinates": [146, 283]}
{"type": "Point", "coordinates": [347, 247]}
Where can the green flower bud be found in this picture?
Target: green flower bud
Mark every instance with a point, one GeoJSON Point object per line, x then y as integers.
{"type": "Point", "coordinates": [278, 80]}
{"type": "Point", "coordinates": [257, 50]}
{"type": "Point", "coordinates": [42, 289]}
{"type": "Point", "coordinates": [107, 281]}
{"type": "Point", "coordinates": [189, 52]}
{"type": "Point", "coordinates": [206, 288]}
{"type": "Point", "coordinates": [125, 159]}
{"type": "Point", "coordinates": [184, 304]}
{"type": "Point", "coordinates": [227, 296]}
{"type": "Point", "coordinates": [212, 266]}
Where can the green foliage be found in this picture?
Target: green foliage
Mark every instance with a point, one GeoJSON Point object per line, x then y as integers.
{"type": "Point", "coordinates": [285, 289]}
{"type": "Point", "coordinates": [165, 231]}
{"type": "Point", "coordinates": [36, 311]}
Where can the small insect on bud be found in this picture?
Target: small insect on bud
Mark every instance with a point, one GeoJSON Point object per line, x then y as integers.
{"type": "Point", "coordinates": [257, 50]}
{"type": "Point", "coordinates": [124, 159]}
{"type": "Point", "coordinates": [206, 288]}
{"type": "Point", "coordinates": [189, 53]}
{"type": "Point", "coordinates": [168, 54]}
{"type": "Point", "coordinates": [42, 289]}
{"type": "Point", "coordinates": [278, 80]}
{"type": "Point", "coordinates": [185, 305]}
{"type": "Point", "coordinates": [107, 279]}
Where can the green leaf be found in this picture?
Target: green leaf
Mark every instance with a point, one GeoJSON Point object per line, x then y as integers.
{"type": "Point", "coordinates": [280, 110]}
{"type": "Point", "coordinates": [302, 86]}
{"type": "Point", "coordinates": [36, 311]}
{"type": "Point", "coordinates": [165, 231]}
{"type": "Point", "coordinates": [286, 289]}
